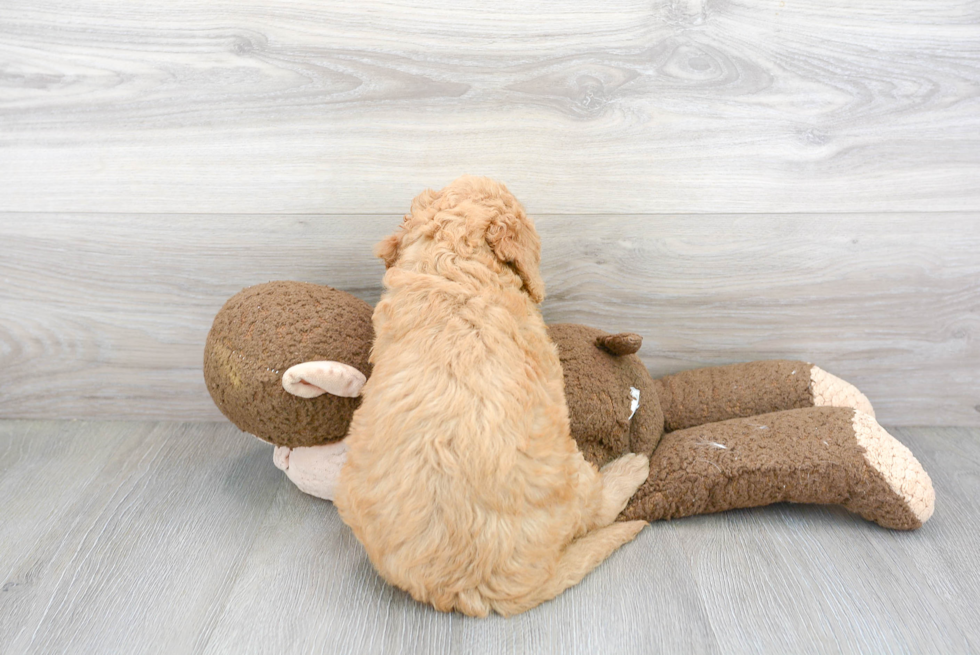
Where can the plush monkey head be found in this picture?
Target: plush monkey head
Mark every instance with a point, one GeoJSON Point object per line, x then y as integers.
{"type": "Point", "coordinates": [263, 331]}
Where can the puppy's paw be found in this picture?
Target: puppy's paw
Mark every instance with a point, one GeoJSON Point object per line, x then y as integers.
{"type": "Point", "coordinates": [632, 528]}
{"type": "Point", "coordinates": [628, 471]}
{"type": "Point", "coordinates": [620, 480]}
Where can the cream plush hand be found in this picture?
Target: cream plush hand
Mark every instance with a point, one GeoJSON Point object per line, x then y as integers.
{"type": "Point", "coordinates": [315, 469]}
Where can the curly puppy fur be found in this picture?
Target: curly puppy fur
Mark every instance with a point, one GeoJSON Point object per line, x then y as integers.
{"type": "Point", "coordinates": [462, 480]}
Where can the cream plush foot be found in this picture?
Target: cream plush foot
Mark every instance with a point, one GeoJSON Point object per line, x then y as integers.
{"type": "Point", "coordinates": [900, 470]}
{"type": "Point", "coordinates": [830, 391]}
{"type": "Point", "coordinates": [314, 470]}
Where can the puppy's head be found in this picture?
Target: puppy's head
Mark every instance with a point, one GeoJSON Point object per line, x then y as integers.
{"type": "Point", "coordinates": [474, 218]}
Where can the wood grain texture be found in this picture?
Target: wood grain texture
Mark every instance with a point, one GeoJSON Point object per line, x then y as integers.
{"type": "Point", "coordinates": [106, 315]}
{"type": "Point", "coordinates": [168, 537]}
{"type": "Point", "coordinates": [675, 106]}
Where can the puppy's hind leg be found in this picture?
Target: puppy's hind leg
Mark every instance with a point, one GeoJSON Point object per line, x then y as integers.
{"type": "Point", "coordinates": [620, 480]}
{"type": "Point", "coordinates": [579, 558]}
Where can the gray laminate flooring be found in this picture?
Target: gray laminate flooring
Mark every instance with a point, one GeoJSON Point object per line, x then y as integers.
{"type": "Point", "coordinates": [130, 537]}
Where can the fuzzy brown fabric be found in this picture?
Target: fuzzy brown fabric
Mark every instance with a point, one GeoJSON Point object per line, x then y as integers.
{"type": "Point", "coordinates": [744, 452]}
{"type": "Point", "coordinates": [806, 455]}
{"type": "Point", "coordinates": [265, 329]}
{"type": "Point", "coordinates": [719, 393]}
{"type": "Point", "coordinates": [597, 391]}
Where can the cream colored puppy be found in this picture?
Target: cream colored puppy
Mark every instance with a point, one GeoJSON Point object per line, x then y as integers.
{"type": "Point", "coordinates": [462, 480]}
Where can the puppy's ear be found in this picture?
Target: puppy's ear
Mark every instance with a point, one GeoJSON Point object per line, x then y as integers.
{"type": "Point", "coordinates": [387, 249]}
{"type": "Point", "coordinates": [515, 242]}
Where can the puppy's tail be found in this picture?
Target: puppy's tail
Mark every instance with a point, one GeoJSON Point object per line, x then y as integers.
{"type": "Point", "coordinates": [580, 557]}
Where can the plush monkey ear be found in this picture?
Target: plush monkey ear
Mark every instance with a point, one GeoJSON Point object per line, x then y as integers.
{"type": "Point", "coordinates": [387, 249]}
{"type": "Point", "coordinates": [624, 343]}
{"type": "Point", "coordinates": [515, 242]}
{"type": "Point", "coordinates": [312, 379]}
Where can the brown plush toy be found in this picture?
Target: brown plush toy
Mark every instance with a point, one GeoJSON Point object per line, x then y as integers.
{"type": "Point", "coordinates": [285, 361]}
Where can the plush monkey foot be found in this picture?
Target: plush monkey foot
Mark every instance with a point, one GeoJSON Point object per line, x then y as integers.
{"type": "Point", "coordinates": [830, 391]}
{"type": "Point", "coordinates": [906, 479]}
{"type": "Point", "coordinates": [314, 470]}
{"type": "Point", "coordinates": [825, 455]}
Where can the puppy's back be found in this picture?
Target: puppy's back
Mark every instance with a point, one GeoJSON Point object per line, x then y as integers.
{"type": "Point", "coordinates": [461, 474]}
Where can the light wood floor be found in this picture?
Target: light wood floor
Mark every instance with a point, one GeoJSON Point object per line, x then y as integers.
{"type": "Point", "coordinates": [128, 537]}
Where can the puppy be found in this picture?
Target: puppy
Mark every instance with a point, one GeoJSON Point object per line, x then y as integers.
{"type": "Point", "coordinates": [462, 480]}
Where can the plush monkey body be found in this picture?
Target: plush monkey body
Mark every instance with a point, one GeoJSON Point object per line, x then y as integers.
{"type": "Point", "coordinates": [743, 435]}
{"type": "Point", "coordinates": [284, 361]}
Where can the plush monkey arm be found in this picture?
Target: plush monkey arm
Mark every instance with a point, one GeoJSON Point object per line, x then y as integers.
{"type": "Point", "coordinates": [825, 455]}
{"type": "Point", "coordinates": [719, 393]}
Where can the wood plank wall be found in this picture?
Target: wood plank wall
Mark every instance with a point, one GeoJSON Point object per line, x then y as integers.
{"type": "Point", "coordinates": [734, 179]}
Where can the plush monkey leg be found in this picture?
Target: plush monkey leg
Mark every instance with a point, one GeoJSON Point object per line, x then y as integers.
{"type": "Point", "coordinates": [824, 455]}
{"type": "Point", "coordinates": [719, 393]}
